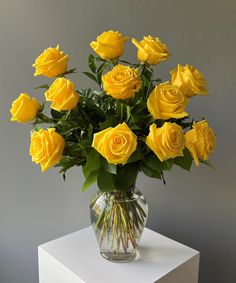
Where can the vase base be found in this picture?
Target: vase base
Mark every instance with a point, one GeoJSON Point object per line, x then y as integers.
{"type": "Point", "coordinates": [120, 257]}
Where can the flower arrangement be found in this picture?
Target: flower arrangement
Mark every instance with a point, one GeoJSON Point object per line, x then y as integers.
{"type": "Point", "coordinates": [132, 122]}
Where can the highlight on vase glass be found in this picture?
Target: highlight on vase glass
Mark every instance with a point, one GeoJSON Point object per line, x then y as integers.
{"type": "Point", "coordinates": [131, 122]}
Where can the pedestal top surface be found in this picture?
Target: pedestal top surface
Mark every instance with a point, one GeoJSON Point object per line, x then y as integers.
{"type": "Point", "coordinates": [157, 256]}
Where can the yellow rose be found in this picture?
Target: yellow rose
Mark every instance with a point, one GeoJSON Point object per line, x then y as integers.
{"type": "Point", "coordinates": [166, 142]}
{"type": "Point", "coordinates": [109, 45]}
{"type": "Point", "coordinates": [122, 82]}
{"type": "Point", "coordinates": [200, 141]}
{"type": "Point", "coordinates": [24, 108]}
{"type": "Point", "coordinates": [62, 94]}
{"type": "Point", "coordinates": [46, 148]}
{"type": "Point", "coordinates": [167, 101]}
{"type": "Point", "coordinates": [189, 80]}
{"type": "Point", "coordinates": [151, 50]}
{"type": "Point", "coordinates": [51, 63]}
{"type": "Point", "coordinates": [115, 144]}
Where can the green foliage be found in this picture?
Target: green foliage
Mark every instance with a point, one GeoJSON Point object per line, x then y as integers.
{"type": "Point", "coordinates": [92, 177]}
{"type": "Point", "coordinates": [111, 121]}
{"type": "Point", "coordinates": [71, 71]}
{"type": "Point", "coordinates": [126, 176]}
{"type": "Point", "coordinates": [67, 162]}
{"type": "Point", "coordinates": [96, 68]}
{"type": "Point", "coordinates": [45, 86]}
{"type": "Point", "coordinates": [42, 119]}
{"type": "Point", "coordinates": [153, 162]}
{"type": "Point", "coordinates": [92, 63]}
{"type": "Point", "coordinates": [108, 167]}
{"type": "Point", "coordinates": [153, 167]}
{"type": "Point", "coordinates": [56, 114]}
{"type": "Point", "coordinates": [121, 179]}
{"type": "Point", "coordinates": [93, 162]}
{"type": "Point", "coordinates": [91, 168]}
{"type": "Point", "coordinates": [150, 172]}
{"type": "Point", "coordinates": [185, 161]}
{"type": "Point", "coordinates": [106, 181]}
{"type": "Point", "coordinates": [109, 177]}
{"type": "Point", "coordinates": [91, 76]}
{"type": "Point", "coordinates": [136, 156]}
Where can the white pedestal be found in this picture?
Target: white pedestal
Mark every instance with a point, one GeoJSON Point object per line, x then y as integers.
{"type": "Point", "coordinates": [75, 258]}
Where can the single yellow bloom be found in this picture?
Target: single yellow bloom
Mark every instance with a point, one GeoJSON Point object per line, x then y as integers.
{"type": "Point", "coordinates": [167, 101]}
{"type": "Point", "coordinates": [166, 142]}
{"type": "Point", "coordinates": [122, 82]}
{"type": "Point", "coordinates": [200, 141]}
{"type": "Point", "coordinates": [115, 144]}
{"type": "Point", "coordinates": [62, 94]}
{"type": "Point", "coordinates": [189, 80]}
{"type": "Point", "coordinates": [24, 108]}
{"type": "Point", "coordinates": [51, 63]}
{"type": "Point", "coordinates": [109, 45]}
{"type": "Point", "coordinates": [151, 50]}
{"type": "Point", "coordinates": [46, 148]}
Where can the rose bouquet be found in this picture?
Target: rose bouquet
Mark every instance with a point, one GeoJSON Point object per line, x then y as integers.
{"type": "Point", "coordinates": [133, 122]}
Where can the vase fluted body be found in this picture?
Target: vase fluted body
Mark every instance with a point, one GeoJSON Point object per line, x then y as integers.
{"type": "Point", "coordinates": [118, 219]}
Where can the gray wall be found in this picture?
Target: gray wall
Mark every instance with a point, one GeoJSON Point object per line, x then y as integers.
{"type": "Point", "coordinates": [197, 209]}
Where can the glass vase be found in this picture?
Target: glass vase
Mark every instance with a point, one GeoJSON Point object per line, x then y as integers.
{"type": "Point", "coordinates": [118, 219]}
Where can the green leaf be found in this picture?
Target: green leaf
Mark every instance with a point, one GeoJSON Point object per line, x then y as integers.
{"type": "Point", "coordinates": [75, 150]}
{"type": "Point", "coordinates": [91, 76]}
{"type": "Point", "coordinates": [167, 164]}
{"type": "Point", "coordinates": [91, 178]}
{"type": "Point", "coordinates": [45, 86]}
{"type": "Point", "coordinates": [138, 108]}
{"type": "Point", "coordinates": [65, 115]}
{"type": "Point", "coordinates": [185, 161]}
{"type": "Point", "coordinates": [71, 71]}
{"type": "Point", "coordinates": [66, 162]}
{"type": "Point", "coordinates": [111, 168]}
{"type": "Point", "coordinates": [42, 118]}
{"type": "Point", "coordinates": [126, 62]}
{"type": "Point", "coordinates": [100, 59]}
{"type": "Point", "coordinates": [150, 172]}
{"type": "Point", "coordinates": [100, 70]}
{"type": "Point", "coordinates": [102, 67]}
{"type": "Point", "coordinates": [66, 128]}
{"type": "Point", "coordinates": [158, 80]}
{"type": "Point", "coordinates": [92, 63]}
{"type": "Point", "coordinates": [126, 176]}
{"type": "Point", "coordinates": [147, 72]}
{"type": "Point", "coordinates": [128, 113]}
{"type": "Point", "coordinates": [56, 114]}
{"type": "Point", "coordinates": [109, 122]}
{"type": "Point", "coordinates": [153, 162]}
{"type": "Point", "coordinates": [137, 155]}
{"type": "Point", "coordinates": [90, 133]}
{"type": "Point", "coordinates": [93, 162]}
{"type": "Point", "coordinates": [106, 181]}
